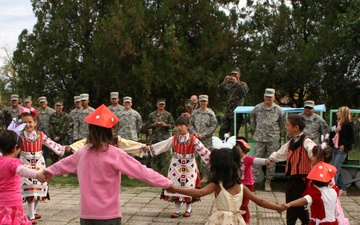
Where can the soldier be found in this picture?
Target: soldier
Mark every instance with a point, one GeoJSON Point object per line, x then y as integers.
{"type": "Point", "coordinates": [43, 121]}
{"type": "Point", "coordinates": [59, 127]}
{"type": "Point", "coordinates": [28, 103]}
{"type": "Point", "coordinates": [130, 122]}
{"type": "Point", "coordinates": [115, 107]}
{"type": "Point", "coordinates": [315, 124]}
{"type": "Point", "coordinates": [267, 122]}
{"type": "Point", "coordinates": [235, 91]}
{"type": "Point", "coordinates": [81, 128]}
{"type": "Point", "coordinates": [13, 110]}
{"type": "Point", "coordinates": [161, 124]}
{"type": "Point", "coordinates": [203, 124]}
{"type": "Point", "coordinates": [2, 116]}
{"type": "Point", "coordinates": [73, 114]}
{"type": "Point", "coordinates": [189, 108]}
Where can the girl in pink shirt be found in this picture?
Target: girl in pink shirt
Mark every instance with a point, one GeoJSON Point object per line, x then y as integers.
{"type": "Point", "coordinates": [247, 179]}
{"type": "Point", "coordinates": [99, 166]}
{"type": "Point", "coordinates": [12, 169]}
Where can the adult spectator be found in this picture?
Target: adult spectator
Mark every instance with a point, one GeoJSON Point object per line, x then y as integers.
{"type": "Point", "coordinates": [115, 108]}
{"type": "Point", "coordinates": [73, 114]}
{"type": "Point", "coordinates": [315, 124]}
{"type": "Point", "coordinates": [81, 128]}
{"type": "Point", "coordinates": [267, 122]}
{"type": "Point", "coordinates": [59, 128]}
{"type": "Point", "coordinates": [203, 124]}
{"type": "Point", "coordinates": [195, 100]}
{"type": "Point", "coordinates": [28, 102]}
{"type": "Point", "coordinates": [161, 124]}
{"type": "Point", "coordinates": [130, 121]}
{"type": "Point", "coordinates": [13, 110]}
{"type": "Point", "coordinates": [235, 91]}
{"type": "Point", "coordinates": [2, 116]}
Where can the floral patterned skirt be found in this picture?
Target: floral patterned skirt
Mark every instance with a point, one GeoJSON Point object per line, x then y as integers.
{"type": "Point", "coordinates": [13, 215]}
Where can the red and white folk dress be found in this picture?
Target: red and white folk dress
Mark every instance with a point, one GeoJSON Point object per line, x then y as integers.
{"type": "Point", "coordinates": [183, 170]}
{"type": "Point", "coordinates": [32, 157]}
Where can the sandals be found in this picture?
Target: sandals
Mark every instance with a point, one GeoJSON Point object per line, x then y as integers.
{"type": "Point", "coordinates": [175, 215]}
{"type": "Point", "coordinates": [187, 214]}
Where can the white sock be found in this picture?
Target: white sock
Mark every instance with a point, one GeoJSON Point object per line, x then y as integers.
{"type": "Point", "coordinates": [31, 206]}
{"type": "Point", "coordinates": [177, 207]}
{"type": "Point", "coordinates": [188, 207]}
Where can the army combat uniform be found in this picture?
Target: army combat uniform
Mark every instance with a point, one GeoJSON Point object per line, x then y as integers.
{"type": "Point", "coordinates": [59, 127]}
{"type": "Point", "coordinates": [315, 127]}
{"type": "Point", "coordinates": [117, 111]}
{"type": "Point", "coordinates": [235, 94]}
{"type": "Point", "coordinates": [267, 124]}
{"type": "Point", "coordinates": [159, 133]}
{"type": "Point", "coordinates": [81, 128]}
{"type": "Point", "coordinates": [204, 123]}
{"type": "Point", "coordinates": [130, 124]}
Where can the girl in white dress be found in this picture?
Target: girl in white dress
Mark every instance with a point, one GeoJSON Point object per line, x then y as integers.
{"type": "Point", "coordinates": [225, 183]}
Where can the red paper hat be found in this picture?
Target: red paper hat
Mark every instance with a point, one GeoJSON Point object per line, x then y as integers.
{"type": "Point", "coordinates": [102, 117]}
{"type": "Point", "coordinates": [322, 172]}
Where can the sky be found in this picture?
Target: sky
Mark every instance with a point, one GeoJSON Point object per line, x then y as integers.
{"type": "Point", "coordinates": [15, 16]}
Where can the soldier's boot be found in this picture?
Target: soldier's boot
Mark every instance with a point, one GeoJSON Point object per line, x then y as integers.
{"type": "Point", "coordinates": [268, 185]}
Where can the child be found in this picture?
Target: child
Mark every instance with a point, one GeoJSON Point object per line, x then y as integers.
{"type": "Point", "coordinates": [183, 169]}
{"type": "Point", "coordinates": [324, 153]}
{"type": "Point", "coordinates": [321, 197]}
{"type": "Point", "coordinates": [12, 169]}
{"type": "Point", "coordinates": [247, 179]}
{"type": "Point", "coordinates": [98, 166]}
{"type": "Point", "coordinates": [32, 157]}
{"type": "Point", "coordinates": [225, 183]}
{"type": "Point", "coordinates": [297, 152]}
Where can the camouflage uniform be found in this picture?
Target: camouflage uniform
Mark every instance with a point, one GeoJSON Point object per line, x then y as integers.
{"type": "Point", "coordinates": [117, 111]}
{"type": "Point", "coordinates": [73, 114]}
{"type": "Point", "coordinates": [267, 124]}
{"type": "Point", "coordinates": [43, 119]}
{"type": "Point", "coordinates": [204, 123]}
{"type": "Point", "coordinates": [59, 127]}
{"type": "Point", "coordinates": [235, 94]}
{"type": "Point", "coordinates": [159, 134]}
{"type": "Point", "coordinates": [130, 124]}
{"type": "Point", "coordinates": [12, 113]}
{"type": "Point", "coordinates": [315, 127]}
{"type": "Point", "coordinates": [81, 128]}
{"type": "Point", "coordinates": [2, 118]}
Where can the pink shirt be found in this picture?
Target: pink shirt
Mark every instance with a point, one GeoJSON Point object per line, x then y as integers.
{"type": "Point", "coordinates": [99, 175]}
{"type": "Point", "coordinates": [248, 162]}
{"type": "Point", "coordinates": [10, 180]}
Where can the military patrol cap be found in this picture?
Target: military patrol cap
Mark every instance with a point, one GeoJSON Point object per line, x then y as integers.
{"type": "Point", "coordinates": [235, 70]}
{"type": "Point", "coordinates": [77, 98]}
{"type": "Point", "coordinates": [269, 92]}
{"type": "Point", "coordinates": [114, 94]}
{"type": "Point", "coordinates": [127, 99]}
{"type": "Point", "coordinates": [102, 117]}
{"type": "Point", "coordinates": [14, 97]}
{"type": "Point", "coordinates": [84, 96]}
{"type": "Point", "coordinates": [27, 99]}
{"type": "Point", "coordinates": [203, 98]}
{"type": "Point", "coordinates": [58, 103]}
{"type": "Point", "coordinates": [42, 99]}
{"type": "Point", "coordinates": [309, 104]}
{"type": "Point", "coordinates": [188, 102]}
{"type": "Point", "coordinates": [161, 100]}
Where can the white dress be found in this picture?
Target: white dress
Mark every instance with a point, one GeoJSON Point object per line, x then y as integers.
{"type": "Point", "coordinates": [227, 208]}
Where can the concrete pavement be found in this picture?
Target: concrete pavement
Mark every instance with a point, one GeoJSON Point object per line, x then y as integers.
{"type": "Point", "coordinates": [142, 206]}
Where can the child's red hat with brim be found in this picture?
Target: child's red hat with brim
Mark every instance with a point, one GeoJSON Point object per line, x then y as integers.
{"type": "Point", "coordinates": [322, 172]}
{"type": "Point", "coordinates": [102, 117]}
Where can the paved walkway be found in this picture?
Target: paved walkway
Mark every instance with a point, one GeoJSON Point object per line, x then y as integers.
{"type": "Point", "coordinates": [142, 206]}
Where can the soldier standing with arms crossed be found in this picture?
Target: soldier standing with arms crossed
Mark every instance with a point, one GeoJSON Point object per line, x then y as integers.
{"type": "Point", "coordinates": [267, 122]}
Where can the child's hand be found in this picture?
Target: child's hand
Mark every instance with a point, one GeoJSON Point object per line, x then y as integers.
{"type": "Point", "coordinates": [68, 148]}
{"type": "Point", "coordinates": [281, 208]}
{"type": "Point", "coordinates": [267, 162]}
{"type": "Point", "coordinates": [41, 176]}
{"type": "Point", "coordinates": [287, 206]}
{"type": "Point", "coordinates": [171, 189]}
{"type": "Point", "coordinates": [146, 149]}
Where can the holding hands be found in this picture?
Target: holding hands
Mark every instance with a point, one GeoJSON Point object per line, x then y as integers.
{"type": "Point", "coordinates": [41, 176]}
